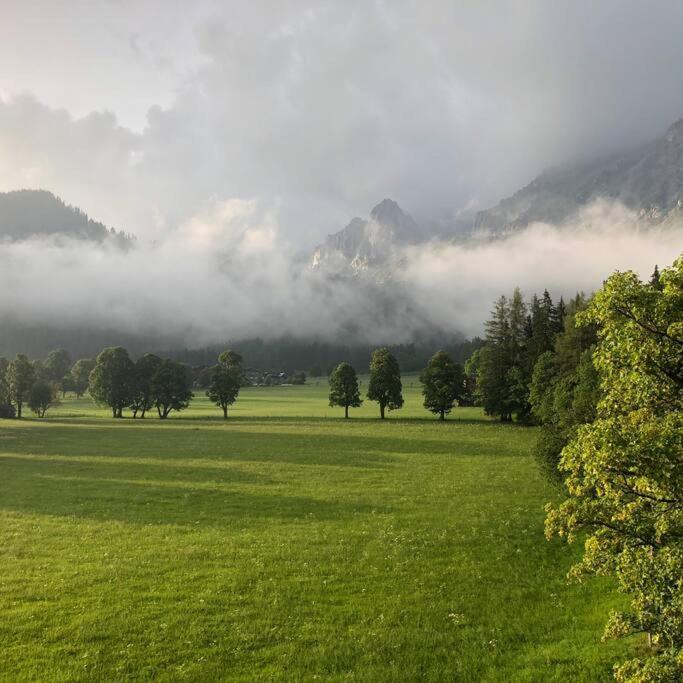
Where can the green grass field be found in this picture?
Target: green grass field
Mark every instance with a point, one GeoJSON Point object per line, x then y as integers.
{"type": "Point", "coordinates": [286, 544]}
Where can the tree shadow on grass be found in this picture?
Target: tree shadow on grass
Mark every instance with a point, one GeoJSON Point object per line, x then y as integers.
{"type": "Point", "coordinates": [71, 489]}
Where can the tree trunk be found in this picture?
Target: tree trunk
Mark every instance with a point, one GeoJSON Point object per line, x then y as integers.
{"type": "Point", "coordinates": [120, 412]}
{"type": "Point", "coordinates": [381, 410]}
{"type": "Point", "coordinates": [19, 409]}
{"type": "Point", "coordinates": [346, 412]}
{"type": "Point", "coordinates": [442, 415]}
{"type": "Point", "coordinates": [225, 412]}
{"type": "Point", "coordinates": [142, 414]}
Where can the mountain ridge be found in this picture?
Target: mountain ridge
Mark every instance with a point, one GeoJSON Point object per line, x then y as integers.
{"type": "Point", "coordinates": [25, 214]}
{"type": "Point", "coordinates": [647, 179]}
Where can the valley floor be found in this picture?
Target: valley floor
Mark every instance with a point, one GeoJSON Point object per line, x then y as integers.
{"type": "Point", "coordinates": [286, 544]}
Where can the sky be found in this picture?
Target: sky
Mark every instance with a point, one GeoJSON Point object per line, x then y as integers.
{"type": "Point", "coordinates": [146, 113]}
{"type": "Point", "coordinates": [232, 137]}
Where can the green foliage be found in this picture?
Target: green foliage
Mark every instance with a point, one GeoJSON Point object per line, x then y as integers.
{"type": "Point", "coordinates": [57, 364]}
{"type": "Point", "coordinates": [344, 390]}
{"type": "Point", "coordinates": [226, 379]}
{"type": "Point", "coordinates": [4, 387]}
{"type": "Point", "coordinates": [443, 383]}
{"type": "Point", "coordinates": [298, 378]}
{"type": "Point", "coordinates": [564, 391]}
{"type": "Point", "coordinates": [624, 471]}
{"type": "Point", "coordinates": [20, 378]}
{"type": "Point", "coordinates": [80, 375]}
{"type": "Point", "coordinates": [170, 387]}
{"type": "Point", "coordinates": [385, 381]}
{"type": "Point", "coordinates": [517, 335]}
{"type": "Point", "coordinates": [41, 397]}
{"type": "Point", "coordinates": [112, 378]}
{"type": "Point", "coordinates": [142, 396]}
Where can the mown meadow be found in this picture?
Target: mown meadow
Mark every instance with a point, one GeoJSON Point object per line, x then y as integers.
{"type": "Point", "coordinates": [286, 544]}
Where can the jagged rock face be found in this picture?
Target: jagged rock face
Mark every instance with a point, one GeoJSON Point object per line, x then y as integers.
{"type": "Point", "coordinates": [366, 243]}
{"type": "Point", "coordinates": [648, 180]}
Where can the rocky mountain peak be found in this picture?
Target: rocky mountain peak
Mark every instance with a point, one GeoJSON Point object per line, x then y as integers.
{"type": "Point", "coordinates": [368, 242]}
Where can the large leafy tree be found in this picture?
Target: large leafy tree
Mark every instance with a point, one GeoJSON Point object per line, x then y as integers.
{"type": "Point", "coordinates": [170, 387]}
{"type": "Point", "coordinates": [226, 378]}
{"type": "Point", "coordinates": [385, 381]}
{"type": "Point", "coordinates": [624, 471]}
{"type": "Point", "coordinates": [111, 381]}
{"type": "Point", "coordinates": [344, 390]}
{"type": "Point", "coordinates": [443, 383]}
{"type": "Point", "coordinates": [142, 396]}
{"type": "Point", "coordinates": [20, 378]}
{"type": "Point", "coordinates": [80, 375]}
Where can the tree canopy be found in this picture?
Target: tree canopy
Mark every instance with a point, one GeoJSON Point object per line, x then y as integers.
{"type": "Point", "coordinates": [344, 390]}
{"type": "Point", "coordinates": [624, 471]}
{"type": "Point", "coordinates": [111, 381]}
{"type": "Point", "coordinates": [20, 377]}
{"type": "Point", "coordinates": [226, 378]}
{"type": "Point", "coordinates": [442, 384]}
{"type": "Point", "coordinates": [385, 381]}
{"type": "Point", "coordinates": [170, 387]}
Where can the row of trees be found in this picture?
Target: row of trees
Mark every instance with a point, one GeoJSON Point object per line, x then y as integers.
{"type": "Point", "coordinates": [152, 382]}
{"type": "Point", "coordinates": [443, 384]}
{"type": "Point", "coordinates": [114, 380]}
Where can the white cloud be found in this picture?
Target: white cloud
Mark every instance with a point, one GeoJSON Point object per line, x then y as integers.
{"type": "Point", "coordinates": [231, 273]}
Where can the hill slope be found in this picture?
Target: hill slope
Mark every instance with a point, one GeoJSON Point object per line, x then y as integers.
{"type": "Point", "coordinates": [31, 213]}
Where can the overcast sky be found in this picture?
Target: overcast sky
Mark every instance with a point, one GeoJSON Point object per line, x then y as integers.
{"type": "Point", "coordinates": [146, 112]}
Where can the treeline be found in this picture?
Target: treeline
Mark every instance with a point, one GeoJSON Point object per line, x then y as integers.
{"type": "Point", "coordinates": [286, 353]}
{"type": "Point", "coordinates": [318, 358]}
{"type": "Point", "coordinates": [536, 367]}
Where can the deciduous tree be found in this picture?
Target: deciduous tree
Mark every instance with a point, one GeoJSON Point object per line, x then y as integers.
{"type": "Point", "coordinates": [226, 380]}
{"type": "Point", "coordinates": [111, 380]}
{"type": "Point", "coordinates": [624, 471]}
{"type": "Point", "coordinates": [443, 383]}
{"type": "Point", "coordinates": [80, 375]}
{"type": "Point", "coordinates": [41, 397]}
{"type": "Point", "coordinates": [344, 390]}
{"type": "Point", "coordinates": [385, 381]}
{"type": "Point", "coordinates": [142, 395]}
{"type": "Point", "coordinates": [170, 387]}
{"type": "Point", "coordinates": [57, 364]}
{"type": "Point", "coordinates": [20, 378]}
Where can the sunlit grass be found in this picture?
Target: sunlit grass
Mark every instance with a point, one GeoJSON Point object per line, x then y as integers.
{"type": "Point", "coordinates": [285, 543]}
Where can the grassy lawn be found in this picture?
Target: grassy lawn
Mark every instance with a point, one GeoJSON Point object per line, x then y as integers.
{"type": "Point", "coordinates": [288, 544]}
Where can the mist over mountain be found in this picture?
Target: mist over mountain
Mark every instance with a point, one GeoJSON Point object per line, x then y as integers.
{"type": "Point", "coordinates": [232, 272]}
{"type": "Point", "coordinates": [647, 180]}
{"type": "Point", "coordinates": [367, 243]}
{"type": "Point", "coordinates": [25, 214]}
